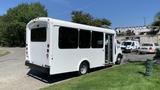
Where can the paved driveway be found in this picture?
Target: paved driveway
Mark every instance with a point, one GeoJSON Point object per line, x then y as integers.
{"type": "Point", "coordinates": [14, 75]}
{"type": "Point", "coordinates": [13, 72]}
{"type": "Point", "coordinates": [137, 57]}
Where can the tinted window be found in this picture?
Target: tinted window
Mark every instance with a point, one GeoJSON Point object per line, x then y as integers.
{"type": "Point", "coordinates": [156, 44]}
{"type": "Point", "coordinates": [68, 38]}
{"type": "Point", "coordinates": [118, 42]}
{"type": "Point", "coordinates": [84, 39]}
{"type": "Point", "coordinates": [126, 43]}
{"type": "Point", "coordinates": [97, 39]}
{"type": "Point", "coordinates": [147, 44]}
{"type": "Point", "coordinates": [133, 44]}
{"type": "Point", "coordinates": [38, 34]}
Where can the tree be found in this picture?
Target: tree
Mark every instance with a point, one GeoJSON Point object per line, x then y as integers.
{"type": "Point", "coordinates": [156, 22]}
{"type": "Point", "coordinates": [81, 17]}
{"type": "Point", "coordinates": [155, 25]}
{"type": "Point", "coordinates": [129, 32]}
{"type": "Point", "coordinates": [157, 17]}
{"type": "Point", "coordinates": [13, 23]}
{"type": "Point", "coordinates": [101, 22]}
{"type": "Point", "coordinates": [85, 18]}
{"type": "Point", "coordinates": [25, 12]}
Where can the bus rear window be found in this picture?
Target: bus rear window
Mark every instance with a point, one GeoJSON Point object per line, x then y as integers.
{"type": "Point", "coordinates": [38, 34]}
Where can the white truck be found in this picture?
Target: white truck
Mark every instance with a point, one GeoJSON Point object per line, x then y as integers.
{"type": "Point", "coordinates": [56, 46]}
{"type": "Point", "coordinates": [130, 45]}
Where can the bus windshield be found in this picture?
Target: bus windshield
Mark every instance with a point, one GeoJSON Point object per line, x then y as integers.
{"type": "Point", "coordinates": [126, 43]}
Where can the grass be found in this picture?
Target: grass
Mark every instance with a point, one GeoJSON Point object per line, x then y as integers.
{"type": "Point", "coordinates": [125, 77]}
{"type": "Point", "coordinates": [3, 52]}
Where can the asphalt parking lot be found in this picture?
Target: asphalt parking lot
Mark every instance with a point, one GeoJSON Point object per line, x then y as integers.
{"type": "Point", "coordinates": [137, 57]}
{"type": "Point", "coordinates": [14, 75]}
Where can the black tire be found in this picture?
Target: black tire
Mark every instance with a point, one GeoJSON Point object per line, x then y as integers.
{"type": "Point", "coordinates": [83, 68]}
{"type": "Point", "coordinates": [119, 60]}
{"type": "Point", "coordinates": [140, 53]}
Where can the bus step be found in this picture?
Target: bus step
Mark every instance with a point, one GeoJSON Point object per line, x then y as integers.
{"type": "Point", "coordinates": [109, 64]}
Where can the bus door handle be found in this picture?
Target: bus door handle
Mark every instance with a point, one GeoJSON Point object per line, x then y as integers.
{"type": "Point", "coordinates": [103, 50]}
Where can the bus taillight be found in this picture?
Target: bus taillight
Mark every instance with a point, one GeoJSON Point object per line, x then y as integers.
{"type": "Point", "coordinates": [26, 50]}
{"type": "Point", "coordinates": [47, 45]}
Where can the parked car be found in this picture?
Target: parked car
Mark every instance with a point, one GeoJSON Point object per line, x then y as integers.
{"type": "Point", "coordinates": [130, 45]}
{"type": "Point", "coordinates": [148, 48]}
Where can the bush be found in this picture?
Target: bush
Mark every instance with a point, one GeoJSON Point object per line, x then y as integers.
{"type": "Point", "coordinates": [13, 23]}
{"type": "Point", "coordinates": [157, 55]}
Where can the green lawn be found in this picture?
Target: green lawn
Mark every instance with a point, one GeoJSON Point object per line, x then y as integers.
{"type": "Point", "coordinates": [3, 52]}
{"type": "Point", "coordinates": [125, 77]}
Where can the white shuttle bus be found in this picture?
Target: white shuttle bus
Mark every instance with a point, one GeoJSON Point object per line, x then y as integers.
{"type": "Point", "coordinates": [56, 46]}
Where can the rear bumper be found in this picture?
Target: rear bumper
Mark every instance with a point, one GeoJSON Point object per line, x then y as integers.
{"type": "Point", "coordinates": [37, 67]}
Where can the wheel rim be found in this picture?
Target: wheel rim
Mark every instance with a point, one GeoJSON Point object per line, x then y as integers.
{"type": "Point", "coordinates": [118, 59]}
{"type": "Point", "coordinates": [83, 69]}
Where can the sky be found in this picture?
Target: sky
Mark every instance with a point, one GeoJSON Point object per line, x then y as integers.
{"type": "Point", "coordinates": [122, 13]}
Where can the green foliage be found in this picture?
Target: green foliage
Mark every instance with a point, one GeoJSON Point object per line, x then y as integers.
{"type": "Point", "coordinates": [25, 12]}
{"type": "Point", "coordinates": [86, 18]}
{"type": "Point", "coordinates": [155, 25]}
{"type": "Point", "coordinates": [81, 17]}
{"type": "Point", "coordinates": [156, 20]}
{"type": "Point", "coordinates": [129, 33]}
{"type": "Point", "coordinates": [157, 17]}
{"type": "Point", "coordinates": [157, 55]}
{"type": "Point", "coordinates": [13, 23]}
{"type": "Point", "coordinates": [13, 34]}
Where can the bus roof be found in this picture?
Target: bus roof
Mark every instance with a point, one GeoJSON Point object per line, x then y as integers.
{"type": "Point", "coordinates": [72, 25]}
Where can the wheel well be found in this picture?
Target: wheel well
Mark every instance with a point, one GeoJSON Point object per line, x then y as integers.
{"type": "Point", "coordinates": [85, 61]}
{"type": "Point", "coordinates": [120, 55]}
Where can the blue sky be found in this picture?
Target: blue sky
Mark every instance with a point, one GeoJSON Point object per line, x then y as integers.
{"type": "Point", "coordinates": [120, 12]}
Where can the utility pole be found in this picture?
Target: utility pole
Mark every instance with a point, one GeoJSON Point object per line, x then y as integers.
{"type": "Point", "coordinates": [144, 19]}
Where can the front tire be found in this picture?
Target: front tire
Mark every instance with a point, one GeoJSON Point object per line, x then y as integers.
{"type": "Point", "coordinates": [84, 68]}
{"type": "Point", "coordinates": [130, 51]}
{"type": "Point", "coordinates": [119, 60]}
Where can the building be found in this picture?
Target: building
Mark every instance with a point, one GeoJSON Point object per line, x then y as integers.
{"type": "Point", "coordinates": [140, 33]}
{"type": "Point", "coordinates": [134, 30]}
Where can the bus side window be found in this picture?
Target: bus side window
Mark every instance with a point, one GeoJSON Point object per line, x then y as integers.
{"type": "Point", "coordinates": [97, 39]}
{"type": "Point", "coordinates": [84, 39]}
{"type": "Point", "coordinates": [68, 38]}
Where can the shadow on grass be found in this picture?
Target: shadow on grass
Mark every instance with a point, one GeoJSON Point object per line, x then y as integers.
{"type": "Point", "coordinates": [142, 73]}
{"type": "Point", "coordinates": [137, 62]}
{"type": "Point", "coordinates": [46, 78]}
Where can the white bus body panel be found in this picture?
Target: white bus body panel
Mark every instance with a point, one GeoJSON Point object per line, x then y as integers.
{"type": "Point", "coordinates": [64, 60]}
{"type": "Point", "coordinates": [68, 60]}
{"type": "Point", "coordinates": [37, 50]}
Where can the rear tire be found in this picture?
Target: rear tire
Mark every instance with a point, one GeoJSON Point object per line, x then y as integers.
{"type": "Point", "coordinates": [84, 68]}
{"type": "Point", "coordinates": [131, 51]}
